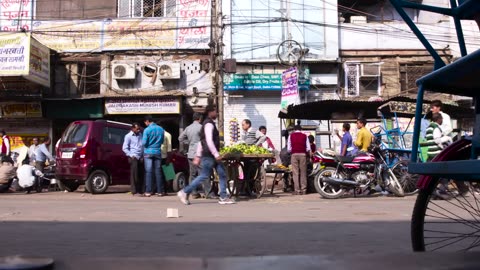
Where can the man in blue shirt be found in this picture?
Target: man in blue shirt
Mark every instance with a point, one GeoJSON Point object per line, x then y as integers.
{"type": "Point", "coordinates": [152, 142]}
{"type": "Point", "coordinates": [347, 147]}
{"type": "Point", "coordinates": [133, 148]}
{"type": "Point", "coordinates": [41, 156]}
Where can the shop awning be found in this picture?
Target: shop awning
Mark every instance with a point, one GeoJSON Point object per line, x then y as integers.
{"type": "Point", "coordinates": [350, 109]}
{"type": "Point", "coordinates": [73, 108]}
{"type": "Point", "coordinates": [333, 110]}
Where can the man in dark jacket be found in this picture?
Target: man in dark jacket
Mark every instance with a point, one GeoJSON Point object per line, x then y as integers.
{"type": "Point", "coordinates": [208, 152]}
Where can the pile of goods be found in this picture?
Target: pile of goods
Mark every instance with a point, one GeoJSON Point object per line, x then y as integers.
{"type": "Point", "coordinates": [244, 149]}
{"type": "Point", "coordinates": [234, 130]}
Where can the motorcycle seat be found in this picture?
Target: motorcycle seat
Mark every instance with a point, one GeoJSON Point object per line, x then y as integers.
{"type": "Point", "coordinates": [345, 159]}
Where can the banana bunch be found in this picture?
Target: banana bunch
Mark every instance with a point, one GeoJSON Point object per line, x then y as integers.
{"type": "Point", "coordinates": [243, 149]}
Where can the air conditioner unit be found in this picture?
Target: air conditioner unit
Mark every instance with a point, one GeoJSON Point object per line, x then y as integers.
{"type": "Point", "coordinates": [169, 71]}
{"type": "Point", "coordinates": [370, 70]}
{"type": "Point", "coordinates": [123, 71]}
{"type": "Point", "coordinates": [358, 19]}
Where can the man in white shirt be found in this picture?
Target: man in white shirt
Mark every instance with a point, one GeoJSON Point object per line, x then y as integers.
{"type": "Point", "coordinates": [446, 126]}
{"type": "Point", "coordinates": [32, 149]}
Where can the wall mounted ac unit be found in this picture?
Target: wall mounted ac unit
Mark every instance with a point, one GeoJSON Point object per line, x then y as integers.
{"type": "Point", "coordinates": [123, 71]}
{"type": "Point", "coordinates": [169, 71]}
{"type": "Point", "coordinates": [370, 70]}
{"type": "Point", "coordinates": [358, 19]}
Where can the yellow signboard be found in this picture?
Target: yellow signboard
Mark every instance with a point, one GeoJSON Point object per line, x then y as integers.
{"type": "Point", "coordinates": [14, 54]}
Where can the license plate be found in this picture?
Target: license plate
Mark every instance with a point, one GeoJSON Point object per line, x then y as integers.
{"type": "Point", "coordinates": [67, 154]}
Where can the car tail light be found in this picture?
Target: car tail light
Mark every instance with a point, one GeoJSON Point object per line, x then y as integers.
{"type": "Point", "coordinates": [83, 152]}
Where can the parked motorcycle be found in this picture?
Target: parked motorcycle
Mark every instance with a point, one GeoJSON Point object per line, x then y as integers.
{"type": "Point", "coordinates": [358, 173]}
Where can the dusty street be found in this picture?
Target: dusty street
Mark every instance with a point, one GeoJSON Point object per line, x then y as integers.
{"type": "Point", "coordinates": [116, 224]}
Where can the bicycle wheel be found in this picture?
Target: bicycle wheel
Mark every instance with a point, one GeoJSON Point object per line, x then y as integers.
{"type": "Point", "coordinates": [446, 217]}
{"type": "Point", "coordinates": [260, 182]}
{"type": "Point", "coordinates": [407, 180]}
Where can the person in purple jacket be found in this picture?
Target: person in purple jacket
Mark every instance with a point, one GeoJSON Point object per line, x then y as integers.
{"type": "Point", "coordinates": [347, 141]}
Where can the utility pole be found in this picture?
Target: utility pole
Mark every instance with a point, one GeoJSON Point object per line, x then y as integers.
{"type": "Point", "coordinates": [216, 54]}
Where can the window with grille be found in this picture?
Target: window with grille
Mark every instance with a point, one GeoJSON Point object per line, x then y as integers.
{"type": "Point", "coordinates": [362, 79]}
{"type": "Point", "coordinates": [410, 73]}
{"type": "Point", "coordinates": [146, 8]}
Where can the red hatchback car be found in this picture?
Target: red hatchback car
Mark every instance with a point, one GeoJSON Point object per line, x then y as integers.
{"type": "Point", "coordinates": [90, 153]}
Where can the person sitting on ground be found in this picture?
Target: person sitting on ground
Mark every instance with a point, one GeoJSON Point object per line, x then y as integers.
{"type": "Point", "coordinates": [27, 176]}
{"type": "Point", "coordinates": [7, 173]}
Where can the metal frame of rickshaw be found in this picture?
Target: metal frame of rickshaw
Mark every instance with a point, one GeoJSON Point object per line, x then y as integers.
{"type": "Point", "coordinates": [395, 143]}
{"type": "Point", "coordinates": [447, 79]}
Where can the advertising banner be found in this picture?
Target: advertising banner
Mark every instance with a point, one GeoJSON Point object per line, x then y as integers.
{"type": "Point", "coordinates": [267, 82]}
{"type": "Point", "coordinates": [39, 70]}
{"type": "Point", "coordinates": [147, 33]}
{"type": "Point", "coordinates": [71, 36]}
{"type": "Point", "coordinates": [193, 24]}
{"type": "Point", "coordinates": [14, 54]}
{"type": "Point", "coordinates": [21, 110]}
{"type": "Point", "coordinates": [189, 28]}
{"type": "Point", "coordinates": [143, 106]}
{"type": "Point", "coordinates": [15, 15]}
{"type": "Point", "coordinates": [290, 91]}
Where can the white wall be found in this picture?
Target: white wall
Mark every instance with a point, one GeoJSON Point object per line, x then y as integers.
{"type": "Point", "coordinates": [251, 41]}
{"type": "Point", "coordinates": [395, 35]}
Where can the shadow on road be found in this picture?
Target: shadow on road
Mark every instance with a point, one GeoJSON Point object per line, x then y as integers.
{"type": "Point", "coordinates": [132, 239]}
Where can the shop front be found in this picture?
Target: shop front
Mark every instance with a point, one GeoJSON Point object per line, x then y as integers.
{"type": "Point", "coordinates": [25, 75]}
{"type": "Point", "coordinates": [22, 121]}
{"type": "Point", "coordinates": [168, 111]}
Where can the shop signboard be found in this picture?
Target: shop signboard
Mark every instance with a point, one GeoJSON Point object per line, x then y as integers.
{"type": "Point", "coordinates": [14, 54]}
{"type": "Point", "coordinates": [186, 28]}
{"type": "Point", "coordinates": [39, 69]}
{"type": "Point", "coordinates": [290, 90]}
{"type": "Point", "coordinates": [21, 110]}
{"type": "Point", "coordinates": [143, 106]}
{"type": "Point", "coordinates": [16, 15]}
{"type": "Point", "coordinates": [261, 82]}
{"type": "Point", "coordinates": [21, 55]}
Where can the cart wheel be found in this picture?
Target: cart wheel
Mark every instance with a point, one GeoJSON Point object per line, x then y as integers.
{"type": "Point", "coordinates": [235, 177]}
{"type": "Point", "coordinates": [260, 183]}
{"type": "Point", "coordinates": [213, 184]}
{"type": "Point", "coordinates": [446, 217]}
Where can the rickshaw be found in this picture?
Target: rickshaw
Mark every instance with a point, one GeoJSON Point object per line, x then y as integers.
{"type": "Point", "coordinates": [450, 222]}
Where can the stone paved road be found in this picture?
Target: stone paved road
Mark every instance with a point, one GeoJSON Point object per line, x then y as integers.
{"type": "Point", "coordinates": [61, 224]}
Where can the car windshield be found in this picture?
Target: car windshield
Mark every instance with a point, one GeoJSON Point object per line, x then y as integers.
{"type": "Point", "coordinates": [76, 133]}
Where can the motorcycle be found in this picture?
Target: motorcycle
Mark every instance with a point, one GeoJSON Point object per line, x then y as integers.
{"type": "Point", "coordinates": [357, 174]}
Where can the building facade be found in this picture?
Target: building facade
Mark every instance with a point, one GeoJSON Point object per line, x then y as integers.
{"type": "Point", "coordinates": [258, 34]}
{"type": "Point", "coordinates": [120, 59]}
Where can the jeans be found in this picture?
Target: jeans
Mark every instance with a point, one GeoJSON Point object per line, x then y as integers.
{"type": "Point", "coordinates": [194, 172]}
{"type": "Point", "coordinates": [153, 164]}
{"type": "Point", "coordinates": [207, 163]}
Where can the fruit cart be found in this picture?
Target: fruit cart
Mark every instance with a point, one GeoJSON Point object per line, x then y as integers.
{"type": "Point", "coordinates": [238, 184]}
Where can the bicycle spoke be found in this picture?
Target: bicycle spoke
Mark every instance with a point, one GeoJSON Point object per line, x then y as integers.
{"type": "Point", "coordinates": [460, 220]}
{"type": "Point", "coordinates": [467, 221]}
{"type": "Point", "coordinates": [474, 244]}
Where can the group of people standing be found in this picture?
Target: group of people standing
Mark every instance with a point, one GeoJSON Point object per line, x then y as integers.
{"type": "Point", "coordinates": [146, 152]}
